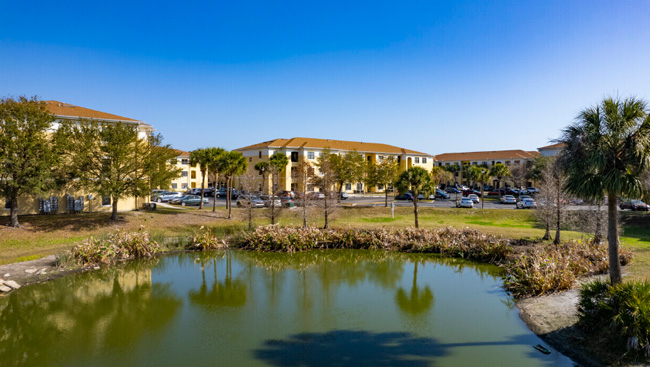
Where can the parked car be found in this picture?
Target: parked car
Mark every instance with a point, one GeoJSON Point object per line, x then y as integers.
{"type": "Point", "coordinates": [177, 200]}
{"type": "Point", "coordinates": [193, 200]}
{"type": "Point", "coordinates": [440, 194]}
{"type": "Point", "coordinates": [522, 197]}
{"type": "Point", "coordinates": [195, 191]}
{"type": "Point", "coordinates": [221, 193]}
{"type": "Point", "coordinates": [452, 190]}
{"type": "Point", "coordinates": [344, 195]}
{"type": "Point", "coordinates": [243, 201]}
{"type": "Point", "coordinates": [634, 205]}
{"type": "Point", "coordinates": [508, 199]}
{"type": "Point", "coordinates": [313, 195]}
{"type": "Point", "coordinates": [290, 194]}
{"type": "Point", "coordinates": [464, 202]}
{"type": "Point", "coordinates": [208, 192]}
{"type": "Point", "coordinates": [527, 203]}
{"type": "Point", "coordinates": [408, 196]}
{"type": "Point", "coordinates": [532, 190]}
{"type": "Point", "coordinates": [267, 201]}
{"type": "Point", "coordinates": [166, 196]}
{"type": "Point", "coordinates": [474, 198]}
{"type": "Point", "coordinates": [471, 192]}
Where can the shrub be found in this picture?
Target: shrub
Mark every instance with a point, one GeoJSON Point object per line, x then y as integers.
{"type": "Point", "coordinates": [204, 240]}
{"type": "Point", "coordinates": [115, 247]}
{"type": "Point", "coordinates": [620, 314]}
{"type": "Point", "coordinates": [468, 244]}
{"type": "Point", "coordinates": [549, 268]}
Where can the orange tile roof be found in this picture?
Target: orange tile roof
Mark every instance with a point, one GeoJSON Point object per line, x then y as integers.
{"type": "Point", "coordinates": [331, 144]}
{"type": "Point", "coordinates": [181, 153]}
{"type": "Point", "coordinates": [489, 155]}
{"type": "Point", "coordinates": [553, 146]}
{"type": "Point", "coordinates": [61, 109]}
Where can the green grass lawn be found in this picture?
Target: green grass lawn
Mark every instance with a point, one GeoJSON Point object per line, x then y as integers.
{"type": "Point", "coordinates": [44, 235]}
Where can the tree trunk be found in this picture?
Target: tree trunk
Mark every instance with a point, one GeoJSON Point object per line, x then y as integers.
{"type": "Point", "coordinates": [214, 194]}
{"type": "Point", "coordinates": [250, 212]}
{"type": "Point", "coordinates": [338, 200]}
{"type": "Point", "coordinates": [482, 195]}
{"type": "Point", "coordinates": [114, 212]}
{"type": "Point", "coordinates": [386, 202]}
{"type": "Point", "coordinates": [615, 276]}
{"type": "Point", "coordinates": [228, 196]}
{"type": "Point", "coordinates": [327, 224]}
{"type": "Point", "coordinates": [547, 233]}
{"type": "Point", "coordinates": [415, 209]}
{"type": "Point", "coordinates": [558, 208]}
{"type": "Point", "coordinates": [14, 212]}
{"type": "Point", "coordinates": [202, 193]}
{"type": "Point", "coordinates": [304, 210]}
{"type": "Point", "coordinates": [598, 233]}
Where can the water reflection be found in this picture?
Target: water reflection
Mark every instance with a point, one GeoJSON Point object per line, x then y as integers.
{"type": "Point", "coordinates": [418, 300]}
{"type": "Point", "coordinates": [110, 310]}
{"type": "Point", "coordinates": [227, 293]}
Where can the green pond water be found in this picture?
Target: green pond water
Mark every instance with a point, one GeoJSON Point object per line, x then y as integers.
{"type": "Point", "coordinates": [320, 308]}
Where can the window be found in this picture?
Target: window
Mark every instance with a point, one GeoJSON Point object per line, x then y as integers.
{"type": "Point", "coordinates": [250, 159]}
{"type": "Point", "coordinates": [310, 155]}
{"type": "Point", "coordinates": [106, 200]}
{"type": "Point", "coordinates": [348, 186]}
{"type": "Point", "coordinates": [294, 171]}
{"type": "Point", "coordinates": [183, 185]}
{"type": "Point", "coordinates": [7, 204]}
{"type": "Point", "coordinates": [259, 154]}
{"type": "Point", "coordinates": [310, 187]}
{"type": "Point", "coordinates": [507, 163]}
{"type": "Point", "coordinates": [417, 159]}
{"type": "Point", "coordinates": [424, 160]}
{"type": "Point", "coordinates": [173, 161]}
{"type": "Point", "coordinates": [174, 185]}
{"type": "Point", "coordinates": [294, 156]}
{"type": "Point", "coordinates": [193, 174]}
{"type": "Point", "coordinates": [184, 174]}
{"type": "Point", "coordinates": [185, 161]}
{"type": "Point", "coordinates": [516, 162]}
{"type": "Point", "coordinates": [359, 186]}
{"type": "Point", "coordinates": [381, 157]}
{"type": "Point", "coordinates": [194, 185]}
{"type": "Point", "coordinates": [380, 187]}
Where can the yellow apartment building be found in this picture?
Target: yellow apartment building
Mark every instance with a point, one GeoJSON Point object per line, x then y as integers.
{"type": "Point", "coordinates": [300, 150]}
{"type": "Point", "coordinates": [190, 175]}
{"type": "Point", "coordinates": [76, 201]}
{"type": "Point", "coordinates": [510, 158]}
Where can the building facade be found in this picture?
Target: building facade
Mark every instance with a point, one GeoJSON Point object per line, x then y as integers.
{"type": "Point", "coordinates": [552, 150]}
{"type": "Point", "coordinates": [190, 177]}
{"type": "Point", "coordinates": [518, 161]}
{"type": "Point", "coordinates": [69, 201]}
{"type": "Point", "coordinates": [299, 150]}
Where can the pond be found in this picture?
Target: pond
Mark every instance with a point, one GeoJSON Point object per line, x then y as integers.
{"type": "Point", "coordinates": [232, 308]}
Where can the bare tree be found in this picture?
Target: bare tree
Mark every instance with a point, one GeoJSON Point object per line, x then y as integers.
{"type": "Point", "coordinates": [326, 180]}
{"type": "Point", "coordinates": [519, 174]}
{"type": "Point", "coordinates": [303, 177]}
{"type": "Point", "coordinates": [249, 184]}
{"type": "Point", "coordinates": [552, 199]}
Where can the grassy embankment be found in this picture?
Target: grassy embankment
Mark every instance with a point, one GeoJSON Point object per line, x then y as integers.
{"type": "Point", "coordinates": [44, 235]}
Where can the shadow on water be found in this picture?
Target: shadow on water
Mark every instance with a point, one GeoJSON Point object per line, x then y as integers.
{"type": "Point", "coordinates": [227, 293]}
{"type": "Point", "coordinates": [343, 348]}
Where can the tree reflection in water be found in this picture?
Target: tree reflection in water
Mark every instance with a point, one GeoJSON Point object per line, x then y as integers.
{"type": "Point", "coordinates": [96, 313]}
{"type": "Point", "coordinates": [418, 301]}
{"type": "Point", "coordinates": [228, 293]}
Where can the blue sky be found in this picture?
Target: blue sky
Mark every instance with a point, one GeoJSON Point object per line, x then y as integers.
{"type": "Point", "coordinates": [434, 76]}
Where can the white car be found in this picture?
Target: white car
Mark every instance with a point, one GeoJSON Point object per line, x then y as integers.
{"type": "Point", "coordinates": [464, 203]}
{"type": "Point", "coordinates": [508, 199]}
{"type": "Point", "coordinates": [474, 198]}
{"type": "Point", "coordinates": [526, 203]}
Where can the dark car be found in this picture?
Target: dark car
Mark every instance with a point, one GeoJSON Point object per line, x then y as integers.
{"type": "Point", "coordinates": [234, 194]}
{"type": "Point", "coordinates": [208, 192]}
{"type": "Point", "coordinates": [408, 196]}
{"type": "Point", "coordinates": [634, 205]}
{"type": "Point", "coordinates": [344, 195]}
{"type": "Point", "coordinates": [469, 192]}
{"type": "Point", "coordinates": [441, 194]}
{"type": "Point", "coordinates": [452, 190]}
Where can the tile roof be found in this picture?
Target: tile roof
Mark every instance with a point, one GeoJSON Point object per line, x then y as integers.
{"type": "Point", "coordinates": [181, 153]}
{"type": "Point", "coordinates": [331, 144]}
{"type": "Point", "coordinates": [61, 109]}
{"type": "Point", "coordinates": [489, 155]}
{"type": "Point", "coordinates": [552, 146]}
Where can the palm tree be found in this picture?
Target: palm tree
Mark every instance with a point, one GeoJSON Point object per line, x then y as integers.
{"type": "Point", "coordinates": [215, 162]}
{"type": "Point", "coordinates": [201, 158]}
{"type": "Point", "coordinates": [263, 168]}
{"type": "Point", "coordinates": [483, 176]}
{"type": "Point", "coordinates": [233, 164]}
{"type": "Point", "coordinates": [607, 149]}
{"type": "Point", "coordinates": [278, 162]}
{"type": "Point", "coordinates": [499, 171]}
{"type": "Point", "coordinates": [417, 179]}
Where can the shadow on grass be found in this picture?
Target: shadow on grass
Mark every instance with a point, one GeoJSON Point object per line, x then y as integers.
{"type": "Point", "coordinates": [340, 348]}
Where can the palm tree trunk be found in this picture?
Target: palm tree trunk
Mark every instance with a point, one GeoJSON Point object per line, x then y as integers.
{"type": "Point", "coordinates": [229, 185]}
{"type": "Point", "coordinates": [386, 201]}
{"type": "Point", "coordinates": [14, 212]}
{"type": "Point", "coordinates": [558, 214]}
{"type": "Point", "coordinates": [202, 185]}
{"type": "Point", "coordinates": [327, 224]}
{"type": "Point", "coordinates": [214, 194]}
{"type": "Point", "coordinates": [615, 276]}
{"type": "Point", "coordinates": [415, 209]}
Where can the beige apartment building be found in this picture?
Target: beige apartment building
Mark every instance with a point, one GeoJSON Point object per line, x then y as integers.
{"type": "Point", "coordinates": [68, 201]}
{"type": "Point", "coordinates": [190, 177]}
{"type": "Point", "coordinates": [511, 158]}
{"type": "Point", "coordinates": [300, 150]}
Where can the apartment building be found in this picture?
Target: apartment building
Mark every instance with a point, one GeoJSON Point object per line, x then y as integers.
{"type": "Point", "coordinates": [76, 201]}
{"type": "Point", "coordinates": [552, 150]}
{"type": "Point", "coordinates": [308, 149]}
{"type": "Point", "coordinates": [514, 159]}
{"type": "Point", "coordinates": [190, 177]}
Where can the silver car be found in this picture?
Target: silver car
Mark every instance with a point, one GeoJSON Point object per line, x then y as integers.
{"type": "Point", "coordinates": [526, 203]}
{"type": "Point", "coordinates": [464, 202]}
{"type": "Point", "coordinates": [243, 201]}
{"type": "Point", "coordinates": [508, 199]}
{"type": "Point", "coordinates": [166, 196]}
